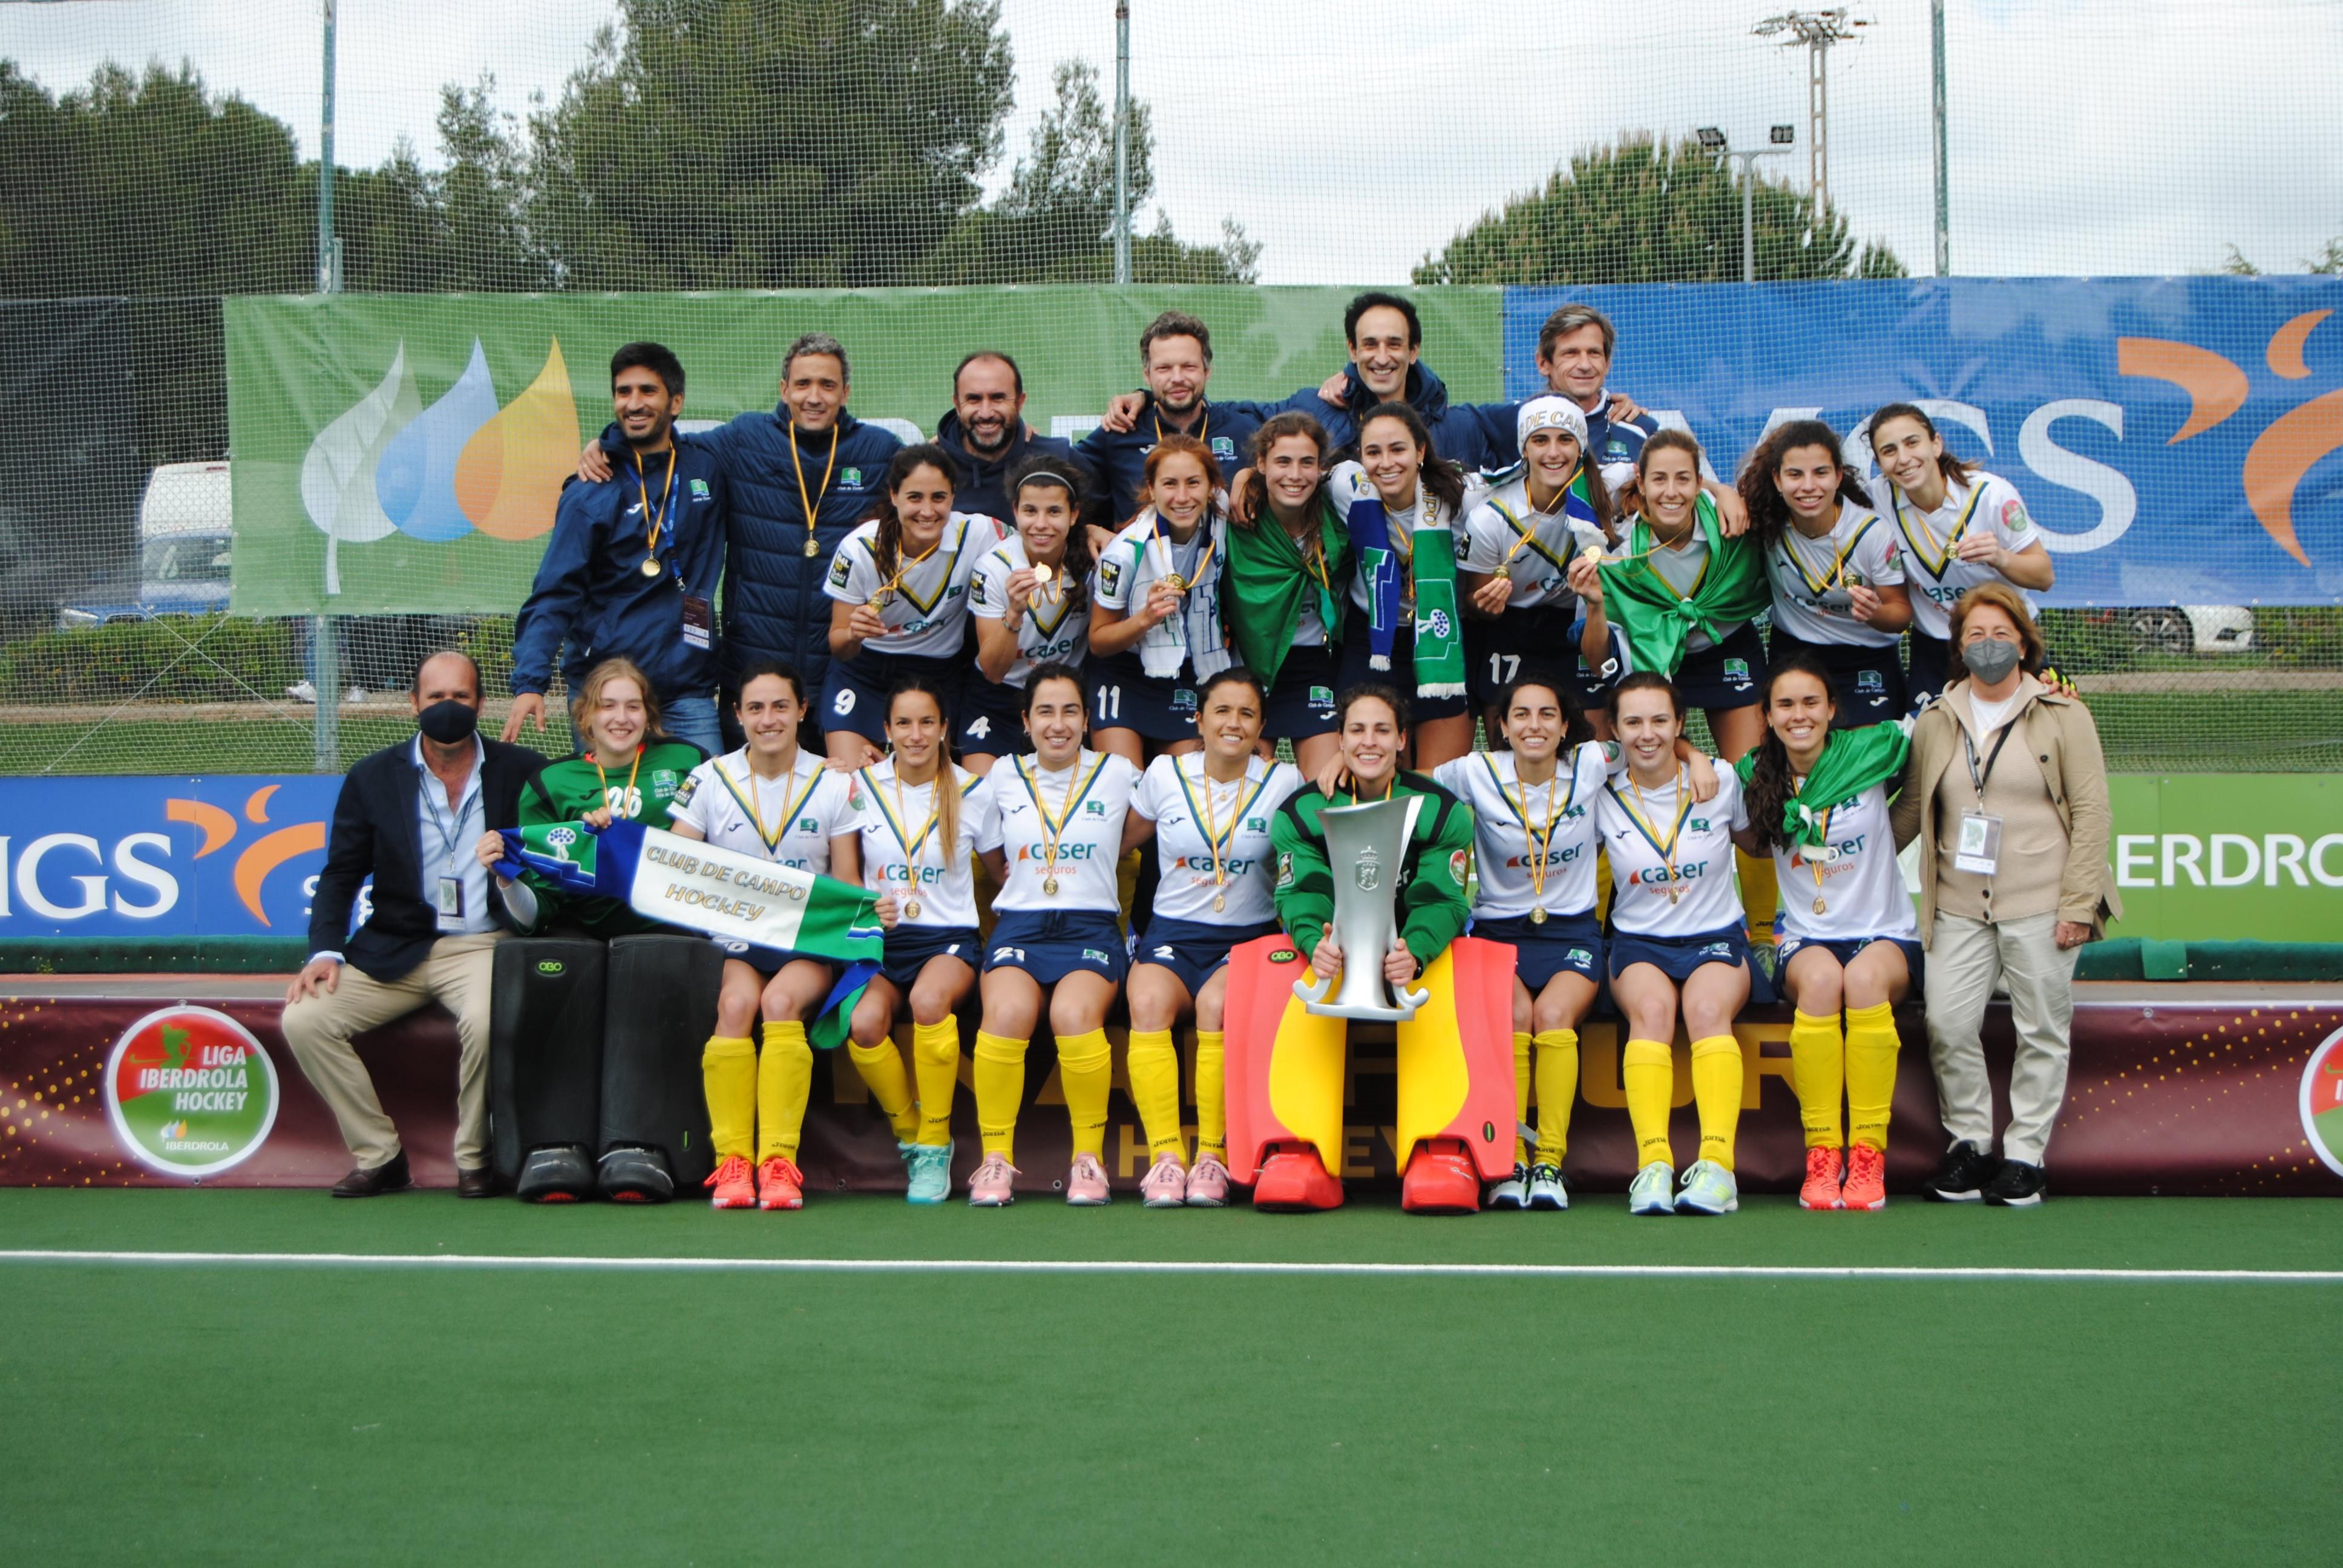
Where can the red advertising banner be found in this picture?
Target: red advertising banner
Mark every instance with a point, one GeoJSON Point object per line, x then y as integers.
{"type": "Point", "coordinates": [2184, 1090]}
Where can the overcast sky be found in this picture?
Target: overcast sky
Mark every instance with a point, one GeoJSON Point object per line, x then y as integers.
{"type": "Point", "coordinates": [2089, 136]}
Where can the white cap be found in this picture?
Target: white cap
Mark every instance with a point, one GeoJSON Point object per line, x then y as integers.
{"type": "Point", "coordinates": [1548, 411]}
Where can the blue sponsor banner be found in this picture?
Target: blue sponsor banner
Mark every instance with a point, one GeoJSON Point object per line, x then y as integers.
{"type": "Point", "coordinates": [2175, 438]}
{"type": "Point", "coordinates": [227, 856]}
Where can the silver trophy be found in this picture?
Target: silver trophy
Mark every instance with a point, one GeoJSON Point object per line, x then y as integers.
{"type": "Point", "coordinates": [1365, 844]}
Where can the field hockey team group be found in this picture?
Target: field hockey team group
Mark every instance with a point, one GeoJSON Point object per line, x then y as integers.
{"type": "Point", "coordinates": [1055, 683]}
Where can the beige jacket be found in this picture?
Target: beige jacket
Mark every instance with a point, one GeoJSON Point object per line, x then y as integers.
{"type": "Point", "coordinates": [2065, 745]}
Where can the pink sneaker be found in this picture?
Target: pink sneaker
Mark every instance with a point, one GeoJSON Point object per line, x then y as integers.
{"type": "Point", "coordinates": [1208, 1184]}
{"type": "Point", "coordinates": [1165, 1185]}
{"type": "Point", "coordinates": [992, 1186]}
{"type": "Point", "coordinates": [1086, 1183]}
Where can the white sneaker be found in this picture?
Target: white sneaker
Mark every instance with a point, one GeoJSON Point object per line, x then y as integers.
{"type": "Point", "coordinates": [1546, 1191]}
{"type": "Point", "coordinates": [1653, 1190]}
{"type": "Point", "coordinates": [355, 694]}
{"type": "Point", "coordinates": [1512, 1192]}
{"type": "Point", "coordinates": [302, 691]}
{"type": "Point", "coordinates": [1708, 1188]}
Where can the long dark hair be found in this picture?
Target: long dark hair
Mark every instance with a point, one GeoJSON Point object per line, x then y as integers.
{"type": "Point", "coordinates": [1955, 472]}
{"type": "Point", "coordinates": [1575, 730]}
{"type": "Point", "coordinates": [1769, 514]}
{"type": "Point", "coordinates": [1254, 501]}
{"type": "Point", "coordinates": [1441, 477]}
{"type": "Point", "coordinates": [887, 549]}
{"type": "Point", "coordinates": [1049, 469]}
{"type": "Point", "coordinates": [1770, 778]}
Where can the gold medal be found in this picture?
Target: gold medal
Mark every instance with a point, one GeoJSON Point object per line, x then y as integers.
{"type": "Point", "coordinates": [1537, 917]}
{"type": "Point", "coordinates": [1674, 893]}
{"type": "Point", "coordinates": [651, 567]}
{"type": "Point", "coordinates": [910, 908]}
{"type": "Point", "coordinates": [1591, 553]}
{"type": "Point", "coordinates": [1178, 583]}
{"type": "Point", "coordinates": [1219, 902]}
{"type": "Point", "coordinates": [1504, 574]}
{"type": "Point", "coordinates": [1820, 907]}
{"type": "Point", "coordinates": [1050, 884]}
{"type": "Point", "coordinates": [812, 547]}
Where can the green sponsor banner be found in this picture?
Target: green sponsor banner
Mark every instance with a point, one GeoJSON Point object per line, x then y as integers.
{"type": "Point", "coordinates": [2229, 857]}
{"type": "Point", "coordinates": [404, 453]}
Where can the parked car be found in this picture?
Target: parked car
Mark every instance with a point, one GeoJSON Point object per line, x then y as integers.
{"type": "Point", "coordinates": [184, 543]}
{"type": "Point", "coordinates": [2202, 629]}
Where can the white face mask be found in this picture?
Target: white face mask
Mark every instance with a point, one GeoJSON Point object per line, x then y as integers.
{"type": "Point", "coordinates": [1990, 660]}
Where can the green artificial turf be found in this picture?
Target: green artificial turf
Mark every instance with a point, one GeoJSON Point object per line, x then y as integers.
{"type": "Point", "coordinates": [216, 1414]}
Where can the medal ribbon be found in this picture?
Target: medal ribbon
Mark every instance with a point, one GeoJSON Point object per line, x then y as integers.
{"type": "Point", "coordinates": [895, 819]}
{"type": "Point", "coordinates": [1644, 532]}
{"type": "Point", "coordinates": [1538, 849]}
{"type": "Point", "coordinates": [811, 502]}
{"type": "Point", "coordinates": [1215, 840]}
{"type": "Point", "coordinates": [1077, 790]}
{"type": "Point", "coordinates": [749, 803]}
{"type": "Point", "coordinates": [658, 520]}
{"type": "Point", "coordinates": [631, 771]}
{"type": "Point", "coordinates": [1837, 572]}
{"type": "Point", "coordinates": [1944, 551]}
{"type": "Point", "coordinates": [1667, 851]}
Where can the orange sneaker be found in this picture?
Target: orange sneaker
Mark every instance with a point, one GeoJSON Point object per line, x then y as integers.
{"type": "Point", "coordinates": [1294, 1180]}
{"type": "Point", "coordinates": [1440, 1179]}
{"type": "Point", "coordinates": [735, 1187]}
{"type": "Point", "coordinates": [1867, 1178]}
{"type": "Point", "coordinates": [779, 1185]}
{"type": "Point", "coordinates": [1822, 1171]}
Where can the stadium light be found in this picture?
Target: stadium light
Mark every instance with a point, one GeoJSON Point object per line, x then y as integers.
{"type": "Point", "coordinates": [1783, 135]}
{"type": "Point", "coordinates": [1712, 142]}
{"type": "Point", "coordinates": [1711, 138]}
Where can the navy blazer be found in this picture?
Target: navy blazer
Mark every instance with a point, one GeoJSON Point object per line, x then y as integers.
{"type": "Point", "coordinates": [376, 833]}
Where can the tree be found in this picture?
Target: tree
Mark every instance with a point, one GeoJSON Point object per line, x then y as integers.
{"type": "Point", "coordinates": [2327, 263]}
{"type": "Point", "coordinates": [1652, 211]}
{"type": "Point", "coordinates": [718, 144]}
{"type": "Point", "coordinates": [1055, 223]}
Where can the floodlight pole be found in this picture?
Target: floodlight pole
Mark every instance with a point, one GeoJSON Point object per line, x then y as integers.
{"type": "Point", "coordinates": [1122, 141]}
{"type": "Point", "coordinates": [1943, 158]}
{"type": "Point", "coordinates": [325, 652]}
{"type": "Point", "coordinates": [1748, 162]}
{"type": "Point", "coordinates": [1818, 30]}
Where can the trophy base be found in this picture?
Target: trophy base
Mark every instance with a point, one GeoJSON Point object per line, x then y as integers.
{"type": "Point", "coordinates": [1313, 990]}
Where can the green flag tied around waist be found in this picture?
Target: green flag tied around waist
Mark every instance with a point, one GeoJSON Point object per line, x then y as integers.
{"type": "Point", "coordinates": [746, 904]}
{"type": "Point", "coordinates": [1657, 619]}
{"type": "Point", "coordinates": [1270, 578]}
{"type": "Point", "coordinates": [1853, 760]}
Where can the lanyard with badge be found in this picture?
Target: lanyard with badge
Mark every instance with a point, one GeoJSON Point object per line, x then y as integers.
{"type": "Point", "coordinates": [449, 901]}
{"type": "Point", "coordinates": [1978, 847]}
{"type": "Point", "coordinates": [699, 616]}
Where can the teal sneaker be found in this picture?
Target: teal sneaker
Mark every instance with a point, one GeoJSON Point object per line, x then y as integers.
{"type": "Point", "coordinates": [1651, 1194]}
{"type": "Point", "coordinates": [1708, 1188]}
{"type": "Point", "coordinates": [930, 1173]}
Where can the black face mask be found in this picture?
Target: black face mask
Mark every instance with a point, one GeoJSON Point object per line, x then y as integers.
{"type": "Point", "coordinates": [449, 722]}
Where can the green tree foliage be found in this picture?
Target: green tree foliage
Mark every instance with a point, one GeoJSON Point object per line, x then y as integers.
{"type": "Point", "coordinates": [1652, 211]}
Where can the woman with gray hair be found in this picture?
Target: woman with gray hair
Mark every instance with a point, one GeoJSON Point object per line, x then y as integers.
{"type": "Point", "coordinates": [2007, 790]}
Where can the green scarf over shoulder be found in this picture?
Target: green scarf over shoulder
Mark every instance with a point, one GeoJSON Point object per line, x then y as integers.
{"type": "Point", "coordinates": [1657, 619]}
{"type": "Point", "coordinates": [1268, 578]}
{"type": "Point", "coordinates": [1853, 760]}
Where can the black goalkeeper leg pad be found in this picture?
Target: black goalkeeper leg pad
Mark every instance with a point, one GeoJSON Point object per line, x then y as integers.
{"type": "Point", "coordinates": [544, 1062]}
{"type": "Point", "coordinates": [660, 1010]}
{"type": "Point", "coordinates": [558, 1173]}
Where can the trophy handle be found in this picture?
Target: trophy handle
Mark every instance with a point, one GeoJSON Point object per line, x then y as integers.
{"type": "Point", "coordinates": [1313, 987]}
{"type": "Point", "coordinates": [1410, 999]}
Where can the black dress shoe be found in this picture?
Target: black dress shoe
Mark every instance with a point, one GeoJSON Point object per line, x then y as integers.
{"type": "Point", "coordinates": [391, 1176]}
{"type": "Point", "coordinates": [476, 1183]}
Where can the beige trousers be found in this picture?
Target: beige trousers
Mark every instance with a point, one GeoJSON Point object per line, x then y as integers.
{"type": "Point", "coordinates": [458, 975]}
{"type": "Point", "coordinates": [1966, 957]}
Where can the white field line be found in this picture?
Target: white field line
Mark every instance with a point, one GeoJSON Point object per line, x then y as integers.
{"type": "Point", "coordinates": [490, 1261]}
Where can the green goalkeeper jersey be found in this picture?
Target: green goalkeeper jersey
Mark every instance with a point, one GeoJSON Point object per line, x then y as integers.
{"type": "Point", "coordinates": [1432, 902]}
{"type": "Point", "coordinates": [566, 790]}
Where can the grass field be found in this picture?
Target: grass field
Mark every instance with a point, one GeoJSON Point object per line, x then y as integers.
{"type": "Point", "coordinates": [215, 1412]}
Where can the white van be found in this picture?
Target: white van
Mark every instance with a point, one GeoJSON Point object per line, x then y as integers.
{"type": "Point", "coordinates": [183, 539]}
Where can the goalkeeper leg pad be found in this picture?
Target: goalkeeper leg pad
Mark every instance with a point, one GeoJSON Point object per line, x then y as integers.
{"type": "Point", "coordinates": [545, 1064]}
{"type": "Point", "coordinates": [661, 1010]}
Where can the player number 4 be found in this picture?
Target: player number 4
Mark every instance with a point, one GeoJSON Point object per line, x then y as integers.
{"type": "Point", "coordinates": [979, 729]}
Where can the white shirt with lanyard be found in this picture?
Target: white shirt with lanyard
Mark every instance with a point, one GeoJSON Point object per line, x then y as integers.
{"type": "Point", "coordinates": [1810, 577]}
{"type": "Point", "coordinates": [1535, 549]}
{"type": "Point", "coordinates": [903, 852]}
{"type": "Point", "coordinates": [1142, 553]}
{"type": "Point", "coordinates": [1533, 846]}
{"type": "Point", "coordinates": [1931, 545]}
{"type": "Point", "coordinates": [1852, 888]}
{"type": "Point", "coordinates": [925, 602]}
{"type": "Point", "coordinates": [1671, 856]}
{"type": "Point", "coordinates": [1061, 832]}
{"type": "Point", "coordinates": [789, 820]}
{"type": "Point", "coordinates": [1056, 624]}
{"type": "Point", "coordinates": [457, 882]}
{"type": "Point", "coordinates": [1212, 839]}
{"type": "Point", "coordinates": [1979, 847]}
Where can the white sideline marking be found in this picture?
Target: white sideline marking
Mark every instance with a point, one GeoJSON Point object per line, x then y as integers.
{"type": "Point", "coordinates": [478, 1261]}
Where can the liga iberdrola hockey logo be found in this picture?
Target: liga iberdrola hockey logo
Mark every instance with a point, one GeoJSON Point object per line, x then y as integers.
{"type": "Point", "coordinates": [2322, 1101]}
{"type": "Point", "coordinates": [190, 1091]}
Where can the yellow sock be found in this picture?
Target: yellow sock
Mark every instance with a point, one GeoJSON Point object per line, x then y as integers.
{"type": "Point", "coordinates": [999, 1092]}
{"type": "Point", "coordinates": [935, 1059]}
{"type": "Point", "coordinates": [1818, 1073]}
{"type": "Point", "coordinates": [1086, 1071]}
{"type": "Point", "coordinates": [881, 1067]}
{"type": "Point", "coordinates": [1211, 1095]}
{"type": "Point", "coordinates": [1155, 1089]}
{"type": "Point", "coordinates": [1871, 1044]}
{"type": "Point", "coordinates": [784, 1079]}
{"type": "Point", "coordinates": [1520, 1094]}
{"type": "Point", "coordinates": [1649, 1075]}
{"type": "Point", "coordinates": [1761, 893]}
{"type": "Point", "coordinates": [728, 1074]}
{"type": "Point", "coordinates": [1716, 1092]}
{"type": "Point", "coordinates": [1557, 1088]}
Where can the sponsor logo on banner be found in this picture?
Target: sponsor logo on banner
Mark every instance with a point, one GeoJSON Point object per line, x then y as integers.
{"type": "Point", "coordinates": [189, 1092]}
{"type": "Point", "coordinates": [2322, 1101]}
